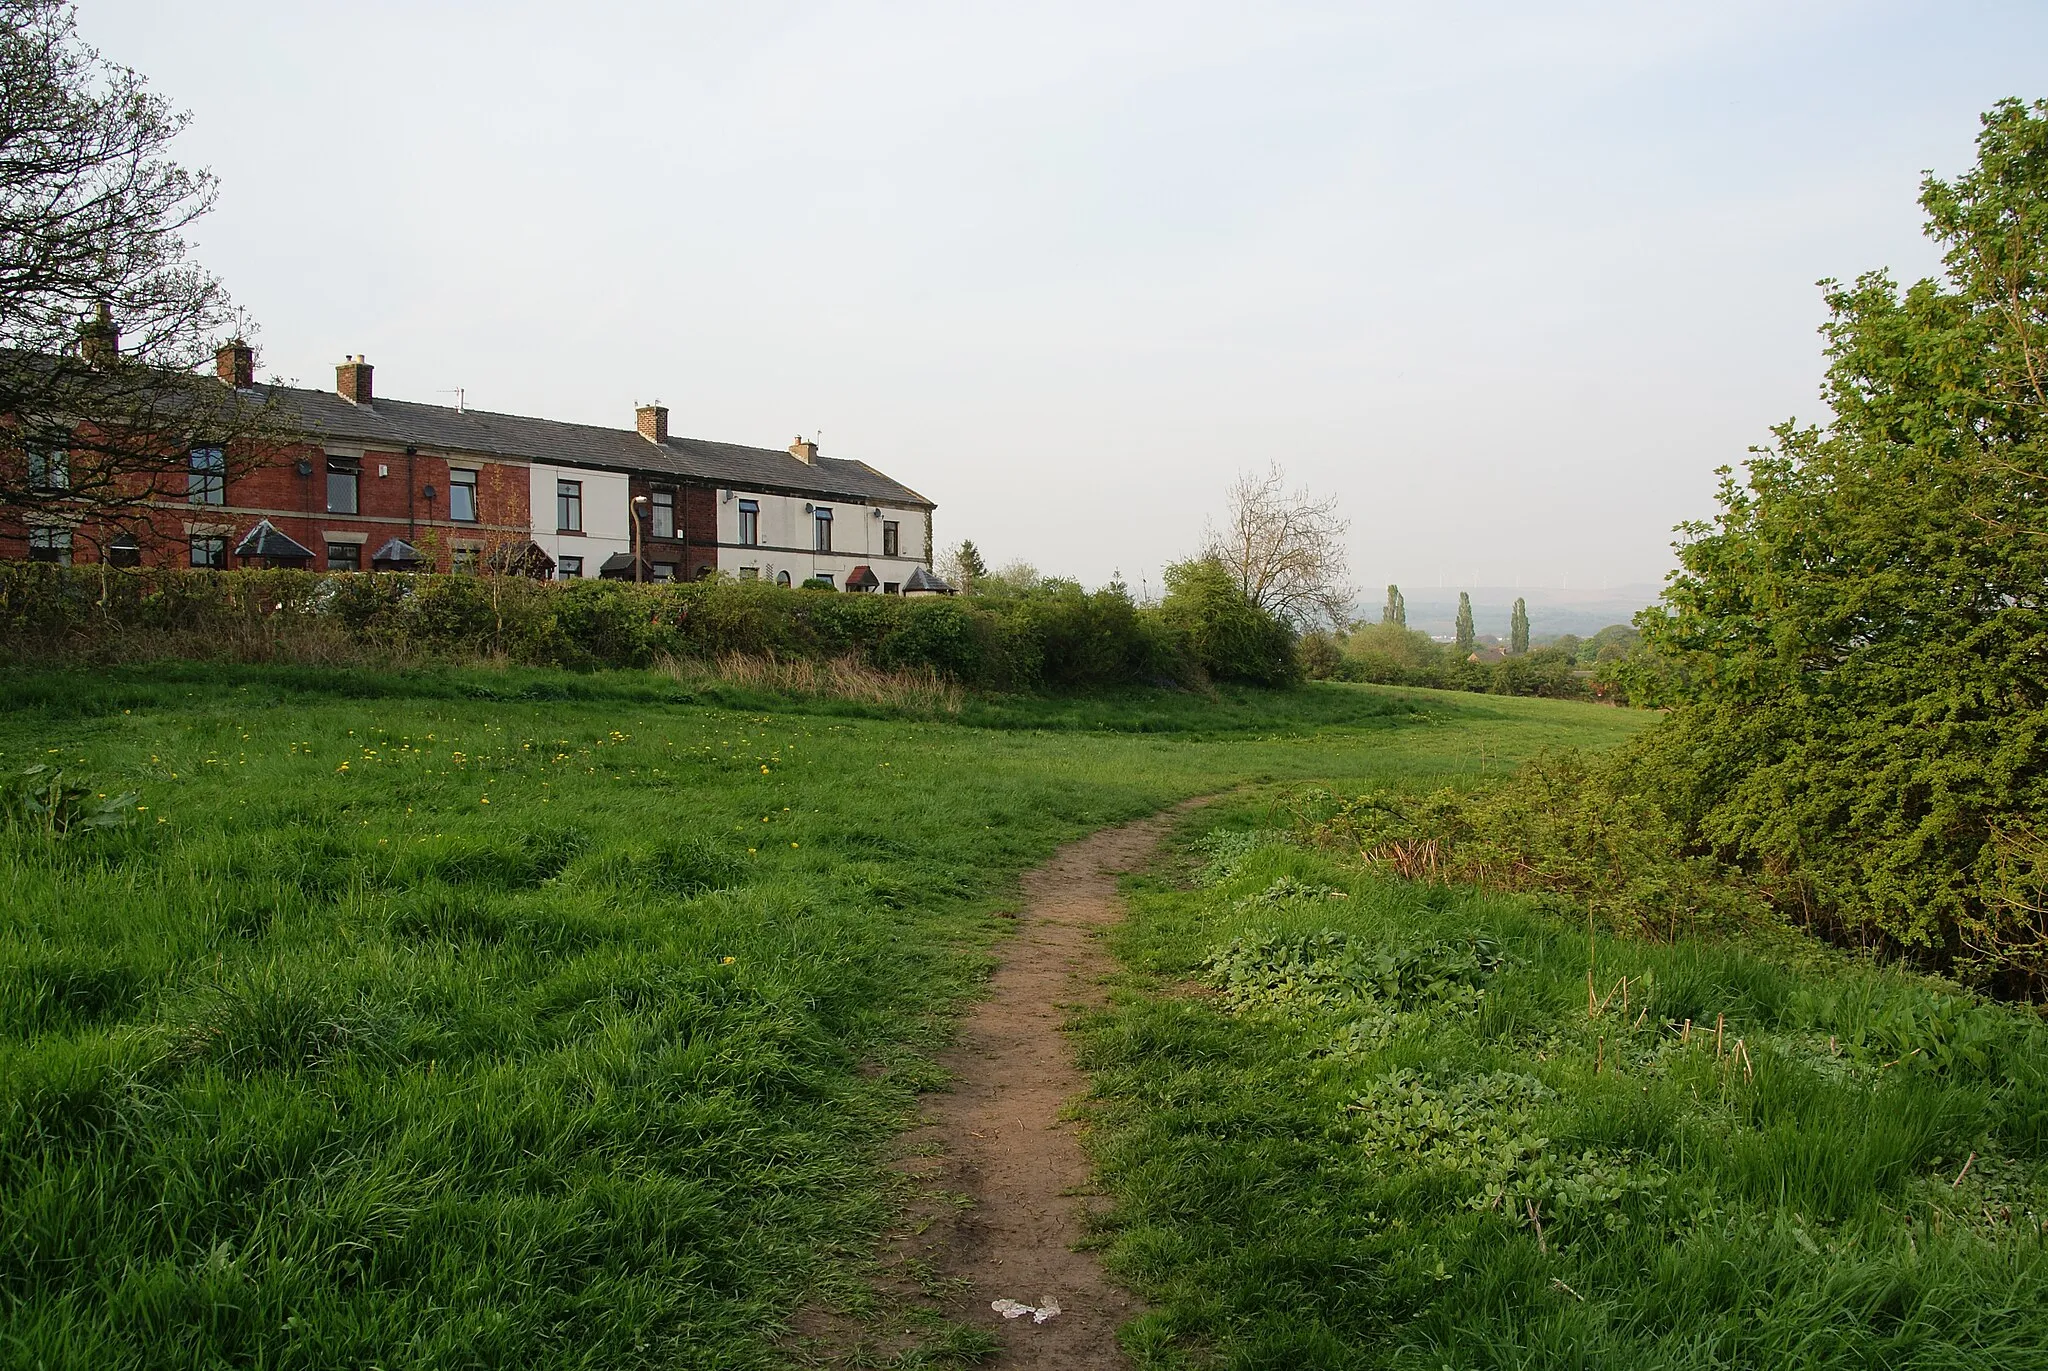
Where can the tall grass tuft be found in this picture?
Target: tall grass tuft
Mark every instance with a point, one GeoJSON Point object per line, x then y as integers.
{"type": "Point", "coordinates": [914, 691]}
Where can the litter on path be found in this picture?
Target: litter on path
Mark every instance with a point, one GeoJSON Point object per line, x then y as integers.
{"type": "Point", "coordinates": [1012, 1309]}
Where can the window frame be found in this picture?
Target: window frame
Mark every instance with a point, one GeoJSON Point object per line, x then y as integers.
{"type": "Point", "coordinates": [49, 469]}
{"type": "Point", "coordinates": [354, 560]}
{"type": "Point", "coordinates": [206, 478]}
{"type": "Point", "coordinates": [124, 551]}
{"type": "Point", "coordinates": [750, 523]}
{"type": "Point", "coordinates": [892, 538]}
{"type": "Point", "coordinates": [661, 512]}
{"type": "Point", "coordinates": [457, 483]}
{"type": "Point", "coordinates": [821, 529]}
{"type": "Point", "coordinates": [568, 501]}
{"type": "Point", "coordinates": [218, 549]}
{"type": "Point", "coordinates": [569, 568]}
{"type": "Point", "coordinates": [53, 540]}
{"type": "Point", "coordinates": [351, 470]}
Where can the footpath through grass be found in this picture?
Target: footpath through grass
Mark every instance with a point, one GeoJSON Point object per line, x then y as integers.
{"type": "Point", "coordinates": [1352, 1122]}
{"type": "Point", "coordinates": [527, 1019]}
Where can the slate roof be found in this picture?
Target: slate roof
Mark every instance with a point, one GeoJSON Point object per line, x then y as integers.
{"type": "Point", "coordinates": [267, 540]}
{"type": "Point", "coordinates": [396, 551]}
{"type": "Point", "coordinates": [920, 579]}
{"type": "Point", "coordinates": [403, 423]}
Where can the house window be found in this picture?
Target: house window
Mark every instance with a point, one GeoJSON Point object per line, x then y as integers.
{"type": "Point", "coordinates": [750, 523]}
{"type": "Point", "coordinates": [664, 571]}
{"type": "Point", "coordinates": [52, 545]}
{"type": "Point", "coordinates": [824, 578]}
{"type": "Point", "coordinates": [750, 573]}
{"type": "Point", "coordinates": [892, 587]}
{"type": "Point", "coordinates": [663, 514]}
{"type": "Point", "coordinates": [569, 509]}
{"type": "Point", "coordinates": [208, 482]}
{"type": "Point", "coordinates": [823, 519]}
{"type": "Point", "coordinates": [466, 561]}
{"type": "Point", "coordinates": [49, 469]}
{"type": "Point", "coordinates": [343, 473]}
{"type": "Point", "coordinates": [462, 495]}
{"type": "Point", "coordinates": [890, 537]}
{"type": "Point", "coordinates": [124, 551]}
{"type": "Point", "coordinates": [782, 578]}
{"type": "Point", "coordinates": [210, 553]}
{"type": "Point", "coordinates": [569, 568]}
{"type": "Point", "coordinates": [344, 556]}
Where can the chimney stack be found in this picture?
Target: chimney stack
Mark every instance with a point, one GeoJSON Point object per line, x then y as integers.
{"type": "Point", "coordinates": [352, 380]}
{"type": "Point", "coordinates": [99, 339]}
{"type": "Point", "coordinates": [235, 363]}
{"type": "Point", "coordinates": [804, 452]}
{"type": "Point", "coordinates": [652, 421]}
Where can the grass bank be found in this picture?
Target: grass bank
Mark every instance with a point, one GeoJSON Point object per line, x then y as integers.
{"type": "Point", "coordinates": [515, 1017]}
{"type": "Point", "coordinates": [1353, 1122]}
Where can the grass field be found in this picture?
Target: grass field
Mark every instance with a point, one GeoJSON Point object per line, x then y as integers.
{"type": "Point", "coordinates": [521, 1018]}
{"type": "Point", "coordinates": [1352, 1122]}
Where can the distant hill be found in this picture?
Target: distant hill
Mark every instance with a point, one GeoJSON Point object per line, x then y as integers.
{"type": "Point", "coordinates": [1552, 610]}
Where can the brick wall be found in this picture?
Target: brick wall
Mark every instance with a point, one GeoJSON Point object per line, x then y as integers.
{"type": "Point", "coordinates": [392, 501]}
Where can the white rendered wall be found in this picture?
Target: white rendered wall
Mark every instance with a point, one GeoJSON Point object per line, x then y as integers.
{"type": "Point", "coordinates": [606, 515]}
{"type": "Point", "coordinates": [788, 534]}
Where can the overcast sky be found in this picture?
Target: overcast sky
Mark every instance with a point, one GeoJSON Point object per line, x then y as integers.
{"type": "Point", "coordinates": [1511, 279]}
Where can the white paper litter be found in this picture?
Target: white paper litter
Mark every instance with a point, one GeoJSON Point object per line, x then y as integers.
{"type": "Point", "coordinates": [1013, 1309]}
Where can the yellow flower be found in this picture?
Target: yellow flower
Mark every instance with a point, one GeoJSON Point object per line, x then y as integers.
{"type": "Point", "coordinates": [792, 844]}
{"type": "Point", "coordinates": [727, 961]}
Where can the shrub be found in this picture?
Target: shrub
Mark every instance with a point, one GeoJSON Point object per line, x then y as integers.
{"type": "Point", "coordinates": [1025, 636]}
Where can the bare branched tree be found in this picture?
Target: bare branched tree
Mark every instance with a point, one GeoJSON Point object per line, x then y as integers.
{"type": "Point", "coordinates": [1286, 549]}
{"type": "Point", "coordinates": [104, 318]}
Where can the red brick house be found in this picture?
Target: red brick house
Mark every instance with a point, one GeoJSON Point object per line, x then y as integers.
{"type": "Point", "coordinates": [381, 484]}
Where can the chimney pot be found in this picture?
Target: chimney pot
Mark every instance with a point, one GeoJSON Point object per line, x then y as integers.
{"type": "Point", "coordinates": [352, 380]}
{"type": "Point", "coordinates": [652, 421]}
{"type": "Point", "coordinates": [235, 363]}
{"type": "Point", "coordinates": [99, 341]}
{"type": "Point", "coordinates": [803, 451]}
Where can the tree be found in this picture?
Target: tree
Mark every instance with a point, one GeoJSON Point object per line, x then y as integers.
{"type": "Point", "coordinates": [1855, 643]}
{"type": "Point", "coordinates": [1230, 638]}
{"type": "Point", "coordinates": [1518, 627]}
{"type": "Point", "coordinates": [103, 316]}
{"type": "Point", "coordinates": [1285, 549]}
{"type": "Point", "coordinates": [965, 567]}
{"type": "Point", "coordinates": [1396, 609]}
{"type": "Point", "coordinates": [1466, 637]}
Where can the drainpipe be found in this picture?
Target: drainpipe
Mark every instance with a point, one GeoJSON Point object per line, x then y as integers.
{"type": "Point", "coordinates": [412, 488]}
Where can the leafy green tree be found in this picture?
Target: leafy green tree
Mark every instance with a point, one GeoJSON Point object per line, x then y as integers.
{"type": "Point", "coordinates": [966, 568]}
{"type": "Point", "coordinates": [1856, 642]}
{"type": "Point", "coordinates": [1465, 637]}
{"type": "Point", "coordinates": [1231, 638]}
{"type": "Point", "coordinates": [1396, 609]}
{"type": "Point", "coordinates": [1518, 627]}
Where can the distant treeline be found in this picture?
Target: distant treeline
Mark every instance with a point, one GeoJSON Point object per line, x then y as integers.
{"type": "Point", "coordinates": [1048, 634]}
{"type": "Point", "coordinates": [1389, 653]}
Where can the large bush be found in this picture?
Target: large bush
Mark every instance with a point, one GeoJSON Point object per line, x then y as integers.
{"type": "Point", "coordinates": [1857, 646]}
{"type": "Point", "coordinates": [1036, 634]}
{"type": "Point", "coordinates": [1229, 637]}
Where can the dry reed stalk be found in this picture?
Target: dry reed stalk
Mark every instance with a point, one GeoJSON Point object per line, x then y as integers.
{"type": "Point", "coordinates": [1964, 1172]}
{"type": "Point", "coordinates": [1541, 1249]}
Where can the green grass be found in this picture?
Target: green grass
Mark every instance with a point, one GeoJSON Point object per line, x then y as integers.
{"type": "Point", "coordinates": [1335, 1151]}
{"type": "Point", "coordinates": [524, 1018]}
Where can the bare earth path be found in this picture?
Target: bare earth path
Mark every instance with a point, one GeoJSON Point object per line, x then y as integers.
{"type": "Point", "coordinates": [997, 1142]}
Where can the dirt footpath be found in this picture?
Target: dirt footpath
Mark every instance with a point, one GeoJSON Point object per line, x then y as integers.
{"type": "Point", "coordinates": [997, 1142]}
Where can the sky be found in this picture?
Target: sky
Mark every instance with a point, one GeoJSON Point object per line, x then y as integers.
{"type": "Point", "coordinates": [1511, 280]}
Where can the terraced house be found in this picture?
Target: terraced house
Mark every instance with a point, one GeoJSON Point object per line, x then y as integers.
{"type": "Point", "coordinates": [381, 484]}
